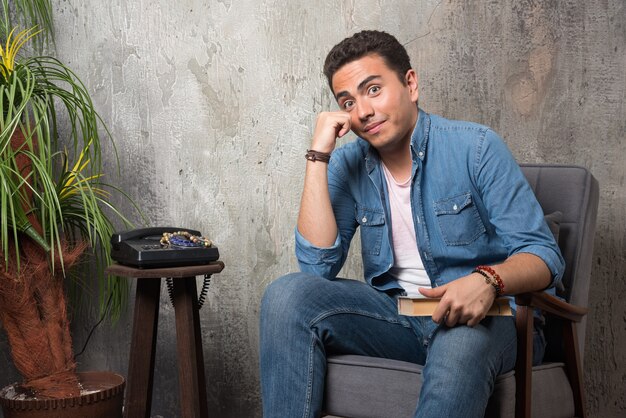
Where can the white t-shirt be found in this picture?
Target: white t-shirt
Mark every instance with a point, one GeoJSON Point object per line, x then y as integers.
{"type": "Point", "coordinates": [408, 268]}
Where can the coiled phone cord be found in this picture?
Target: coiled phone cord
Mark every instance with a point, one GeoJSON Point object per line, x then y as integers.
{"type": "Point", "coordinates": [203, 291]}
{"type": "Point", "coordinates": [170, 290]}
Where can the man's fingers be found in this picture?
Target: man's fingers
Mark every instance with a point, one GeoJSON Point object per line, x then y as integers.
{"type": "Point", "coordinates": [452, 315]}
{"type": "Point", "coordinates": [441, 312]}
{"type": "Point", "coordinates": [475, 321]}
{"type": "Point", "coordinates": [452, 319]}
{"type": "Point", "coordinates": [442, 308]}
{"type": "Point", "coordinates": [436, 292]}
{"type": "Point", "coordinates": [329, 126]}
{"type": "Point", "coordinates": [344, 130]}
{"type": "Point", "coordinates": [471, 319]}
{"type": "Point", "coordinates": [343, 124]}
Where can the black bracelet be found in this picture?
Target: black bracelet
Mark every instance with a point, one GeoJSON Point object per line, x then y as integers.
{"type": "Point", "coordinates": [313, 155]}
{"type": "Point", "coordinates": [490, 280]}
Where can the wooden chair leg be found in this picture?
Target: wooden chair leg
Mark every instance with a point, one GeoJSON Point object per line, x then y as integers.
{"type": "Point", "coordinates": [523, 364]}
{"type": "Point", "coordinates": [572, 366]}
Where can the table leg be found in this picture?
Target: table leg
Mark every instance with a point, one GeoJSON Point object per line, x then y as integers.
{"type": "Point", "coordinates": [138, 400]}
{"type": "Point", "coordinates": [204, 409]}
{"type": "Point", "coordinates": [191, 377]}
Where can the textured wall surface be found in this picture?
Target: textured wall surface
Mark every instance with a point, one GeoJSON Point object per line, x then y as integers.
{"type": "Point", "coordinates": [212, 104]}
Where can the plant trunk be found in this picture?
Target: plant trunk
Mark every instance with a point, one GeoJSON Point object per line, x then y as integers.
{"type": "Point", "coordinates": [33, 309]}
{"type": "Point", "coordinates": [33, 312]}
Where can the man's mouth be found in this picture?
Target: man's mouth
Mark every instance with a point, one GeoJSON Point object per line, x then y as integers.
{"type": "Point", "coordinates": [373, 127]}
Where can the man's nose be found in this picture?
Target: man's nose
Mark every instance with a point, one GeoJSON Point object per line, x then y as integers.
{"type": "Point", "coordinates": [364, 110]}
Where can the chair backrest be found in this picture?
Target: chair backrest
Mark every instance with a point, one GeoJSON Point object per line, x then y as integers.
{"type": "Point", "coordinates": [573, 191]}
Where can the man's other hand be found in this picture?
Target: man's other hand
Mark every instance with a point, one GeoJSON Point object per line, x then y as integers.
{"type": "Point", "coordinates": [463, 301]}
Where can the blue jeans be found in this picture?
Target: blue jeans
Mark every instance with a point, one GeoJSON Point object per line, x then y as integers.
{"type": "Point", "coordinates": [304, 318]}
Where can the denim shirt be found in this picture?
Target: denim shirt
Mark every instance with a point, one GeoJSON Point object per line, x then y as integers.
{"type": "Point", "coordinates": [470, 201]}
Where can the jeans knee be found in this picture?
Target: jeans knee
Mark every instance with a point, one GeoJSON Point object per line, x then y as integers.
{"type": "Point", "coordinates": [464, 346]}
{"type": "Point", "coordinates": [492, 349]}
{"type": "Point", "coordinates": [284, 297]}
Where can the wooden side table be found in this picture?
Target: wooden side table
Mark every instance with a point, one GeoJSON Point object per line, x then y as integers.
{"type": "Point", "coordinates": [191, 379]}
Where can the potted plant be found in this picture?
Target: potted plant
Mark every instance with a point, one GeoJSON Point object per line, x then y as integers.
{"type": "Point", "coordinates": [54, 210]}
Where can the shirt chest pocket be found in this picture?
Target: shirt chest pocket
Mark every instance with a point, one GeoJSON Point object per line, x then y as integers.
{"type": "Point", "coordinates": [372, 223]}
{"type": "Point", "coordinates": [459, 220]}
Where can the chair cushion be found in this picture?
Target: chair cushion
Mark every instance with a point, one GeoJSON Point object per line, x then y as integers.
{"type": "Point", "coordinates": [351, 382]}
{"type": "Point", "coordinates": [552, 394]}
{"type": "Point", "coordinates": [370, 387]}
{"type": "Point", "coordinates": [554, 223]}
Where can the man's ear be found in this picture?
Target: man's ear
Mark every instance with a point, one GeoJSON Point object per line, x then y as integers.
{"type": "Point", "coordinates": [410, 79]}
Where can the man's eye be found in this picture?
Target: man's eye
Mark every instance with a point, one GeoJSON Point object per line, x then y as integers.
{"type": "Point", "coordinates": [373, 90]}
{"type": "Point", "coordinates": [348, 104]}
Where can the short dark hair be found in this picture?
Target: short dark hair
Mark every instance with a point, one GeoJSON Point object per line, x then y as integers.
{"type": "Point", "coordinates": [365, 43]}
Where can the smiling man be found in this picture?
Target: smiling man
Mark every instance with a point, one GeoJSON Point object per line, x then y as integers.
{"type": "Point", "coordinates": [443, 210]}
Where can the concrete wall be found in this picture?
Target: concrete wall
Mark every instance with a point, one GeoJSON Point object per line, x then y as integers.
{"type": "Point", "coordinates": [212, 104]}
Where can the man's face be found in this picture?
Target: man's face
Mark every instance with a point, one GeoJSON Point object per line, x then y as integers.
{"type": "Point", "coordinates": [382, 109]}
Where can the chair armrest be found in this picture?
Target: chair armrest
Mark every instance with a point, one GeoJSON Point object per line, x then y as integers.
{"type": "Point", "coordinates": [552, 305]}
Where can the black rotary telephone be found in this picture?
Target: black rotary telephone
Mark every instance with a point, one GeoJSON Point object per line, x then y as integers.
{"type": "Point", "coordinates": [145, 248]}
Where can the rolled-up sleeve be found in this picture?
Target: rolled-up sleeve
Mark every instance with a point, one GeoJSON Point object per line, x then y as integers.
{"type": "Point", "coordinates": [512, 206]}
{"type": "Point", "coordinates": [317, 260]}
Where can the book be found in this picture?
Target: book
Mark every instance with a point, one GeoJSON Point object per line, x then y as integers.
{"type": "Point", "coordinates": [423, 306]}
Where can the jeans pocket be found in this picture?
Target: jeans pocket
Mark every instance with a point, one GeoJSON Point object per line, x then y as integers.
{"type": "Point", "coordinates": [372, 223]}
{"type": "Point", "coordinates": [459, 220]}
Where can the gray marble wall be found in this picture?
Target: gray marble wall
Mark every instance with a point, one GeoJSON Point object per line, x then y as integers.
{"type": "Point", "coordinates": [212, 104]}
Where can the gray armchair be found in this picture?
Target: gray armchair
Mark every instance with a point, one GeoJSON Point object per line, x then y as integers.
{"type": "Point", "coordinates": [362, 387]}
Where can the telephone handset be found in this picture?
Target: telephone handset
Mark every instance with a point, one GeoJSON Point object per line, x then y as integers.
{"type": "Point", "coordinates": [145, 248]}
{"type": "Point", "coordinates": [148, 233]}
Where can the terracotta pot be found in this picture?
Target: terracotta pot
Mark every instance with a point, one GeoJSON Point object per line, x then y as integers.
{"type": "Point", "coordinates": [103, 399]}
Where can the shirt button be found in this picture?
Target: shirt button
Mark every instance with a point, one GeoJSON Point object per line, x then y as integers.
{"type": "Point", "coordinates": [364, 220]}
{"type": "Point", "coordinates": [455, 207]}
{"type": "Point", "coordinates": [421, 153]}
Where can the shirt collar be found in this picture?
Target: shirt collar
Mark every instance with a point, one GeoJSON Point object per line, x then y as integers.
{"type": "Point", "coordinates": [419, 138]}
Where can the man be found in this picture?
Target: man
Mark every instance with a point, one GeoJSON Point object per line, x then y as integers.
{"type": "Point", "coordinates": [443, 210]}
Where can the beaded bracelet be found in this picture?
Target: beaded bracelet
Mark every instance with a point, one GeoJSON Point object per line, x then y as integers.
{"type": "Point", "coordinates": [184, 239]}
{"type": "Point", "coordinates": [489, 280]}
{"type": "Point", "coordinates": [494, 276]}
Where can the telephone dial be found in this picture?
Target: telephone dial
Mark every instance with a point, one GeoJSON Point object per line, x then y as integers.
{"type": "Point", "coordinates": [150, 248]}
